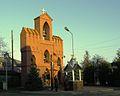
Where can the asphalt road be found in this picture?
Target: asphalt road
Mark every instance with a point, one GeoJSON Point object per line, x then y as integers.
{"type": "Point", "coordinates": [86, 91]}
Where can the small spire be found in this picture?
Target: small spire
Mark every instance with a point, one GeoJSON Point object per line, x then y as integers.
{"type": "Point", "coordinates": [72, 55]}
{"type": "Point", "coordinates": [43, 11]}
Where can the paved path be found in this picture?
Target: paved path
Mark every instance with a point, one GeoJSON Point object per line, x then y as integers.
{"type": "Point", "coordinates": [86, 91]}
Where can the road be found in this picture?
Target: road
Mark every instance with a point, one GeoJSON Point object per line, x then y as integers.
{"type": "Point", "coordinates": [86, 91]}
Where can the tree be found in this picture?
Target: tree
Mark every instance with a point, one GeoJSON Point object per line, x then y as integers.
{"type": "Point", "coordinates": [3, 47]}
{"type": "Point", "coordinates": [86, 62]}
{"type": "Point", "coordinates": [88, 70]}
{"type": "Point", "coordinates": [3, 51]}
{"type": "Point", "coordinates": [115, 80]}
{"type": "Point", "coordinates": [117, 58]}
{"type": "Point", "coordinates": [104, 73]}
{"type": "Point", "coordinates": [88, 75]}
{"type": "Point", "coordinates": [34, 82]}
{"type": "Point", "coordinates": [102, 70]}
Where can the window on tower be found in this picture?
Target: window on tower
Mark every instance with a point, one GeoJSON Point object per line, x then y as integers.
{"type": "Point", "coordinates": [46, 33]}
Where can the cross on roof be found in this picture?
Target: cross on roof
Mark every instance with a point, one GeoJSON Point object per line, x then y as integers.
{"type": "Point", "coordinates": [43, 11]}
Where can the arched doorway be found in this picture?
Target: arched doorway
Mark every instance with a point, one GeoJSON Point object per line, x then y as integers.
{"type": "Point", "coordinates": [60, 70]}
{"type": "Point", "coordinates": [46, 77]}
{"type": "Point", "coordinates": [33, 61]}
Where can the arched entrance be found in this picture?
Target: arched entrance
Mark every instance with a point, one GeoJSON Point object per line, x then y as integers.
{"type": "Point", "coordinates": [60, 70]}
{"type": "Point", "coordinates": [46, 77]}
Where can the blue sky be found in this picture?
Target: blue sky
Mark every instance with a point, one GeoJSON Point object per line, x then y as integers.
{"type": "Point", "coordinates": [95, 24]}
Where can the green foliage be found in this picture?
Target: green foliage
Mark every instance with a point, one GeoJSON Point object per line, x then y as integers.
{"type": "Point", "coordinates": [34, 82]}
{"type": "Point", "coordinates": [88, 70]}
{"type": "Point", "coordinates": [86, 62]}
{"type": "Point", "coordinates": [3, 46]}
{"type": "Point", "coordinates": [88, 77]}
{"type": "Point", "coordinates": [104, 73]}
{"type": "Point", "coordinates": [102, 69]}
{"type": "Point", "coordinates": [99, 70]}
{"type": "Point", "coordinates": [115, 80]}
{"type": "Point", "coordinates": [115, 75]}
{"type": "Point", "coordinates": [96, 70]}
{"type": "Point", "coordinates": [117, 59]}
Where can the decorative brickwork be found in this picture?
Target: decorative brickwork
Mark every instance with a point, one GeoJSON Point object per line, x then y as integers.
{"type": "Point", "coordinates": [40, 43]}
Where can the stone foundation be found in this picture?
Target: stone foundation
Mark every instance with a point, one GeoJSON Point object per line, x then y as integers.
{"type": "Point", "coordinates": [77, 85]}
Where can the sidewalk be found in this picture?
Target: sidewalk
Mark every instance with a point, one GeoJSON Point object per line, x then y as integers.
{"type": "Point", "coordinates": [86, 91]}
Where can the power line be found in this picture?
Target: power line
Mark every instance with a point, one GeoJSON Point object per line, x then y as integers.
{"type": "Point", "coordinates": [101, 47]}
{"type": "Point", "coordinates": [102, 42]}
{"type": "Point", "coordinates": [97, 46]}
{"type": "Point", "coordinates": [92, 46]}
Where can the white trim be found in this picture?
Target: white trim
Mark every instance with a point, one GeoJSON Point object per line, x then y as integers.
{"type": "Point", "coordinates": [80, 75]}
{"type": "Point", "coordinates": [73, 77]}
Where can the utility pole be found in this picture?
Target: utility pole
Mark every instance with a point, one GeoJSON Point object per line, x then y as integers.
{"type": "Point", "coordinates": [51, 73]}
{"type": "Point", "coordinates": [51, 76]}
{"type": "Point", "coordinates": [12, 49]}
{"type": "Point", "coordinates": [51, 64]}
{"type": "Point", "coordinates": [6, 56]}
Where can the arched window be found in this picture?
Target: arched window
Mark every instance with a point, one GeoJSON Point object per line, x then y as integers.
{"type": "Point", "coordinates": [33, 61]}
{"type": "Point", "coordinates": [59, 62]}
{"type": "Point", "coordinates": [46, 56]}
{"type": "Point", "coordinates": [46, 33]}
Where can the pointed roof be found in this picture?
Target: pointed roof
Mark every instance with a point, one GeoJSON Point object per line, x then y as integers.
{"type": "Point", "coordinates": [72, 65]}
{"type": "Point", "coordinates": [73, 62]}
{"type": "Point", "coordinates": [77, 66]}
{"type": "Point", "coordinates": [43, 15]}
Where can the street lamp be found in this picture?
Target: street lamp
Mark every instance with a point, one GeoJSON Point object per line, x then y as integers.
{"type": "Point", "coordinates": [72, 40]}
{"type": "Point", "coordinates": [6, 55]}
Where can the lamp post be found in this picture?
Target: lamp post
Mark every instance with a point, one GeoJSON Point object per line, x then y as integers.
{"type": "Point", "coordinates": [72, 40]}
{"type": "Point", "coordinates": [6, 55]}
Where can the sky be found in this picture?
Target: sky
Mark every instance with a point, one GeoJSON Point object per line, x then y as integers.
{"type": "Point", "coordinates": [95, 24]}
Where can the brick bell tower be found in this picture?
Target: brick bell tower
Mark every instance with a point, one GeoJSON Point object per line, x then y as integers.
{"type": "Point", "coordinates": [40, 46]}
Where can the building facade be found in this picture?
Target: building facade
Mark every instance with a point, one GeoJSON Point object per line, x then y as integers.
{"type": "Point", "coordinates": [40, 46]}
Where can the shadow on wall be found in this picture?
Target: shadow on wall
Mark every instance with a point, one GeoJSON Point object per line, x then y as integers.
{"type": "Point", "coordinates": [26, 61]}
